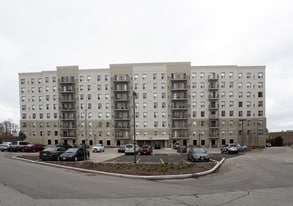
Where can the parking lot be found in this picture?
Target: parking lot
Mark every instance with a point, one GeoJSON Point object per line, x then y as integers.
{"type": "Point", "coordinates": [159, 156]}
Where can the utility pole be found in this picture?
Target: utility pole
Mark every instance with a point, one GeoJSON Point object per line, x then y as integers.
{"type": "Point", "coordinates": [134, 132]}
{"type": "Point", "coordinates": [242, 132]}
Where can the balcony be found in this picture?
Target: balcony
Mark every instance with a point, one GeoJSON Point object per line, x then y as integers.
{"type": "Point", "coordinates": [121, 78]}
{"type": "Point", "coordinates": [66, 80]}
{"type": "Point", "coordinates": [213, 77]}
{"type": "Point", "coordinates": [178, 77]}
{"type": "Point", "coordinates": [213, 87]}
{"type": "Point", "coordinates": [213, 96]}
{"type": "Point", "coordinates": [214, 116]}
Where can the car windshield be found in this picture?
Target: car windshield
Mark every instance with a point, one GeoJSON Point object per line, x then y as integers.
{"type": "Point", "coordinates": [72, 150]}
{"type": "Point", "coordinates": [98, 145]}
{"type": "Point", "coordinates": [129, 146]}
{"type": "Point", "coordinates": [50, 149]}
{"type": "Point", "coordinates": [198, 150]}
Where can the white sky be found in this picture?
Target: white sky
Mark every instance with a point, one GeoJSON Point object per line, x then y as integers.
{"type": "Point", "coordinates": [40, 35]}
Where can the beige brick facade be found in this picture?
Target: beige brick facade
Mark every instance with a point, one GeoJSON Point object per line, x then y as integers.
{"type": "Point", "coordinates": [175, 102]}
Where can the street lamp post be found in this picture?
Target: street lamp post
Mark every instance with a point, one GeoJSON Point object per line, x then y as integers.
{"type": "Point", "coordinates": [242, 132]}
{"type": "Point", "coordinates": [134, 132]}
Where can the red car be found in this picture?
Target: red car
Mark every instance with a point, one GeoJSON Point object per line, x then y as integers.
{"type": "Point", "coordinates": [34, 147]}
{"type": "Point", "coordinates": [146, 150]}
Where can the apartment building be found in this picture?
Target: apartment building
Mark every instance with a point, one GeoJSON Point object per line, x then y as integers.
{"type": "Point", "coordinates": [167, 102]}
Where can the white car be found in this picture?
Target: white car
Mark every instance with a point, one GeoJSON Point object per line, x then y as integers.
{"type": "Point", "coordinates": [230, 149]}
{"type": "Point", "coordinates": [129, 149]}
{"type": "Point", "coordinates": [5, 146]}
{"type": "Point", "coordinates": [98, 148]}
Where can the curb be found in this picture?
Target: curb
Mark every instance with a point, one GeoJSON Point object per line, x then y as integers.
{"type": "Point", "coordinates": [151, 177]}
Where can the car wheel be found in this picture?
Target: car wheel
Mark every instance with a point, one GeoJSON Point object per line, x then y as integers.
{"type": "Point", "coordinates": [95, 150]}
{"type": "Point", "coordinates": [75, 159]}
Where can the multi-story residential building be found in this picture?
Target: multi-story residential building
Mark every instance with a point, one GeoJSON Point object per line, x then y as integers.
{"type": "Point", "coordinates": [167, 102]}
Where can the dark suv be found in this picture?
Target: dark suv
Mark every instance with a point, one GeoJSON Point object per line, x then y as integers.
{"type": "Point", "coordinates": [17, 146]}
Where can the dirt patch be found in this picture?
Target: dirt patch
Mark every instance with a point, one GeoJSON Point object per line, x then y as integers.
{"type": "Point", "coordinates": [137, 169]}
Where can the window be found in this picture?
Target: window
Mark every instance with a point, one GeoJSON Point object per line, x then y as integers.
{"type": "Point", "coordinates": [260, 113]}
{"type": "Point", "coordinates": [202, 85]}
{"type": "Point", "coordinates": [144, 76]}
{"type": "Point", "coordinates": [240, 113]}
{"type": "Point", "coordinates": [81, 78]}
{"type": "Point", "coordinates": [223, 113]}
{"type": "Point", "coordinates": [163, 76]}
{"type": "Point", "coordinates": [155, 76]}
{"type": "Point", "coordinates": [193, 104]}
{"type": "Point", "coordinates": [22, 81]}
{"type": "Point", "coordinates": [163, 85]}
{"type": "Point", "coordinates": [231, 74]}
{"type": "Point", "coordinates": [193, 95]}
{"type": "Point", "coordinates": [260, 94]}
{"type": "Point", "coordinates": [240, 104]}
{"type": "Point", "coordinates": [155, 85]}
{"type": "Point", "coordinates": [248, 75]}
{"type": "Point", "coordinates": [231, 84]}
{"type": "Point", "coordinates": [89, 87]}
{"type": "Point", "coordinates": [155, 105]}
{"type": "Point", "coordinates": [144, 95]}
{"type": "Point", "coordinates": [240, 75]}
{"type": "Point", "coordinates": [202, 113]}
{"type": "Point", "coordinates": [106, 77]}
{"type": "Point", "coordinates": [163, 105]}
{"type": "Point", "coordinates": [260, 104]}
{"type": "Point", "coordinates": [193, 75]}
{"type": "Point", "coordinates": [231, 113]}
{"type": "Point", "coordinates": [248, 85]}
{"type": "Point", "coordinates": [260, 75]}
{"type": "Point", "coordinates": [98, 78]}
{"type": "Point", "coordinates": [88, 78]}
{"type": "Point", "coordinates": [136, 77]}
{"type": "Point", "coordinates": [163, 95]}
{"type": "Point", "coordinates": [201, 75]}
{"type": "Point", "coordinates": [194, 114]}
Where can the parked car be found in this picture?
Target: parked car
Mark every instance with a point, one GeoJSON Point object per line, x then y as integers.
{"type": "Point", "coordinates": [146, 150]}
{"type": "Point", "coordinates": [64, 145]}
{"type": "Point", "coordinates": [51, 153]}
{"type": "Point", "coordinates": [5, 146]}
{"type": "Point", "coordinates": [176, 145]}
{"type": "Point", "coordinates": [182, 149]}
{"type": "Point", "coordinates": [197, 154]}
{"type": "Point", "coordinates": [129, 149]}
{"type": "Point", "coordinates": [230, 149]}
{"type": "Point", "coordinates": [18, 146]}
{"type": "Point", "coordinates": [121, 148]}
{"type": "Point", "coordinates": [241, 147]}
{"type": "Point", "coordinates": [34, 148]}
{"type": "Point", "coordinates": [268, 144]}
{"type": "Point", "coordinates": [75, 154]}
{"type": "Point", "coordinates": [98, 148]}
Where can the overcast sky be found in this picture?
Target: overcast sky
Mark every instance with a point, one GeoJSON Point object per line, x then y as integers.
{"type": "Point", "coordinates": [40, 35]}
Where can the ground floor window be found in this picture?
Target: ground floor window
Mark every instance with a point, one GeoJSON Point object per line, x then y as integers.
{"type": "Point", "coordinates": [49, 142]}
{"type": "Point", "coordinates": [231, 141]}
{"type": "Point", "coordinates": [194, 142]}
{"type": "Point", "coordinates": [108, 142]}
{"type": "Point", "coordinates": [203, 142]}
{"type": "Point", "coordinates": [223, 141]}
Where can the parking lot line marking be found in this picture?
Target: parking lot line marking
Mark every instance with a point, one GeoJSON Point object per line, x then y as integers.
{"type": "Point", "coordinates": [138, 160]}
{"type": "Point", "coordinates": [162, 161]}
